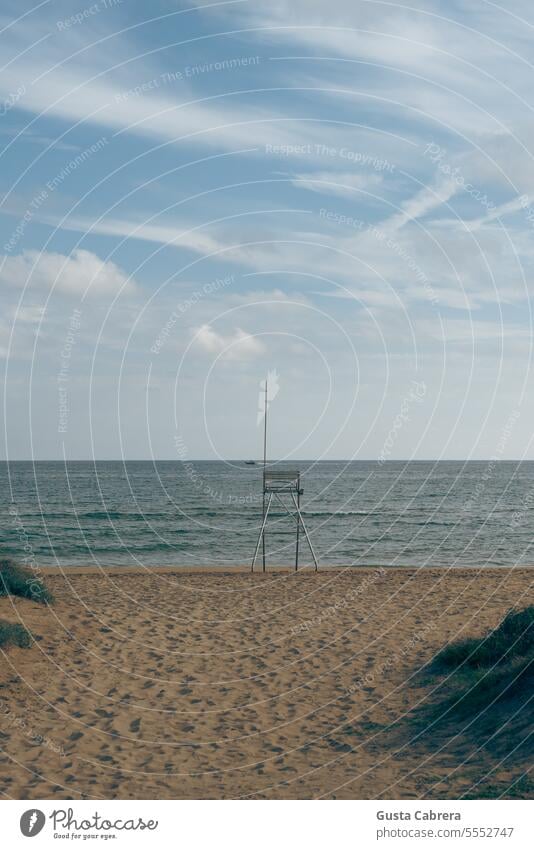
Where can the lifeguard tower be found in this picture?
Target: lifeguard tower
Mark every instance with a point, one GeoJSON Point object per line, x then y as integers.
{"type": "Point", "coordinates": [285, 487]}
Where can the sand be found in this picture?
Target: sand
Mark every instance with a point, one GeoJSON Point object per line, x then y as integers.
{"type": "Point", "coordinates": [183, 684]}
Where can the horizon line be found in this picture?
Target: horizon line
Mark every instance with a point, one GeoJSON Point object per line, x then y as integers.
{"type": "Point", "coordinates": [260, 462]}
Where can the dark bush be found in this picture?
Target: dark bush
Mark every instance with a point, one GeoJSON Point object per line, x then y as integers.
{"type": "Point", "coordinates": [485, 680]}
{"type": "Point", "coordinates": [512, 638]}
{"type": "Point", "coordinates": [14, 634]}
{"type": "Point", "coordinates": [21, 581]}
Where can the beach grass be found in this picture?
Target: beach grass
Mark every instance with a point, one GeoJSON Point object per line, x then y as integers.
{"type": "Point", "coordinates": [14, 634]}
{"type": "Point", "coordinates": [480, 674]}
{"type": "Point", "coordinates": [485, 687]}
{"type": "Point", "coordinates": [482, 691]}
{"type": "Point", "coordinates": [522, 788]}
{"type": "Point", "coordinates": [513, 638]}
{"type": "Point", "coordinates": [484, 673]}
{"type": "Point", "coordinates": [21, 581]}
{"type": "Point", "coordinates": [479, 694]}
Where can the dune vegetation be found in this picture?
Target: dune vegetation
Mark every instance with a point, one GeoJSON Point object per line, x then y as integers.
{"type": "Point", "coordinates": [16, 580]}
{"type": "Point", "coordinates": [14, 634]}
{"type": "Point", "coordinates": [483, 688]}
{"type": "Point", "coordinates": [21, 581]}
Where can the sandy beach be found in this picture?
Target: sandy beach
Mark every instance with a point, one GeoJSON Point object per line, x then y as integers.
{"type": "Point", "coordinates": [221, 684]}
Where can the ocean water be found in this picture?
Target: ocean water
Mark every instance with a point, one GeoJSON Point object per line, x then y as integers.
{"type": "Point", "coordinates": [206, 513]}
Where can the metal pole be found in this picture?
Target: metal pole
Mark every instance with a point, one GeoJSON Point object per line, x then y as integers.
{"type": "Point", "coordinates": [264, 465]}
{"type": "Point", "coordinates": [298, 527]}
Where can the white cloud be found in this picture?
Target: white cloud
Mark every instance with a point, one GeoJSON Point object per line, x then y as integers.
{"type": "Point", "coordinates": [28, 314]}
{"type": "Point", "coordinates": [237, 346]}
{"type": "Point", "coordinates": [365, 297]}
{"type": "Point", "coordinates": [177, 233]}
{"type": "Point", "coordinates": [453, 66]}
{"type": "Point", "coordinates": [467, 331]}
{"type": "Point", "coordinates": [169, 114]}
{"type": "Point", "coordinates": [417, 206]}
{"type": "Point", "coordinates": [342, 184]}
{"type": "Point", "coordinates": [80, 273]}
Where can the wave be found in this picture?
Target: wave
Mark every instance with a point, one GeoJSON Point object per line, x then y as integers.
{"type": "Point", "coordinates": [124, 547]}
{"type": "Point", "coordinates": [128, 515]}
{"type": "Point", "coordinates": [339, 512]}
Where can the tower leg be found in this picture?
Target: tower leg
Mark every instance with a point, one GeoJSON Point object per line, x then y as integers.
{"type": "Point", "coordinates": [297, 508]}
{"type": "Point", "coordinates": [298, 529]}
{"type": "Point", "coordinates": [261, 534]}
{"type": "Point", "coordinates": [263, 550]}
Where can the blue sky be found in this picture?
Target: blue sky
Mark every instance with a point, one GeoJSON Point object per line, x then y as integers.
{"type": "Point", "coordinates": [194, 195]}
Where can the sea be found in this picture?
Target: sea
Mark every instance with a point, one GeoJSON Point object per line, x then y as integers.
{"type": "Point", "coordinates": [209, 513]}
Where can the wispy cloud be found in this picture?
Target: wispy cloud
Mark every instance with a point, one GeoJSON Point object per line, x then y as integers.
{"type": "Point", "coordinates": [340, 184]}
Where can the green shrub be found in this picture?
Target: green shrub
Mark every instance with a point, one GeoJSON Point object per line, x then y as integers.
{"type": "Point", "coordinates": [488, 683]}
{"type": "Point", "coordinates": [513, 638]}
{"type": "Point", "coordinates": [21, 581]}
{"type": "Point", "coordinates": [482, 690]}
{"type": "Point", "coordinates": [521, 789]}
{"type": "Point", "coordinates": [14, 634]}
{"type": "Point", "coordinates": [477, 689]}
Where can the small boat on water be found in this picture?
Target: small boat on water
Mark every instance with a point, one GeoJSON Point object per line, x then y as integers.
{"type": "Point", "coordinates": [250, 462]}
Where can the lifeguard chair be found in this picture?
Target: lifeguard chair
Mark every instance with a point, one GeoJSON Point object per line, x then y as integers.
{"type": "Point", "coordinates": [283, 486]}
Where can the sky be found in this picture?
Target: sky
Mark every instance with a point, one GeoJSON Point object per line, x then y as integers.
{"type": "Point", "coordinates": [335, 195]}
